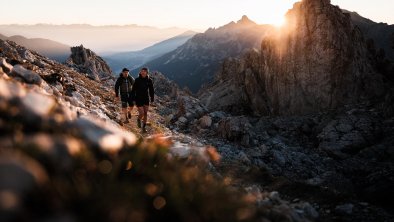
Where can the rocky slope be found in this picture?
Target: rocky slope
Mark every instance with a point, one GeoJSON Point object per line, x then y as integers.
{"type": "Point", "coordinates": [64, 157]}
{"type": "Point", "coordinates": [86, 61]}
{"type": "Point", "coordinates": [195, 62]}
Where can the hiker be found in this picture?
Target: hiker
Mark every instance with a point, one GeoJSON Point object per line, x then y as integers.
{"type": "Point", "coordinates": [124, 85]}
{"type": "Point", "coordinates": [142, 91]}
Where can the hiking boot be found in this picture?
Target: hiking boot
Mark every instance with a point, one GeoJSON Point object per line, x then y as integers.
{"type": "Point", "coordinates": [144, 130]}
{"type": "Point", "coordinates": [129, 115]}
{"type": "Point", "coordinates": [139, 123]}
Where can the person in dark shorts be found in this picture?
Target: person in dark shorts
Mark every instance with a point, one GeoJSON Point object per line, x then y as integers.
{"type": "Point", "coordinates": [143, 92]}
{"type": "Point", "coordinates": [123, 87]}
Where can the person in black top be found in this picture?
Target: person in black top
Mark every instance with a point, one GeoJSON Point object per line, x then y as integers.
{"type": "Point", "coordinates": [123, 86]}
{"type": "Point", "coordinates": [143, 91]}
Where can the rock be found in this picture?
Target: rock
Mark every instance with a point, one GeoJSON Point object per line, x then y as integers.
{"type": "Point", "coordinates": [6, 67]}
{"type": "Point", "coordinates": [234, 128]}
{"type": "Point", "coordinates": [164, 86]}
{"type": "Point", "coordinates": [309, 211]}
{"type": "Point", "coordinates": [39, 104]}
{"type": "Point", "coordinates": [205, 122]}
{"type": "Point", "coordinates": [104, 135]}
{"type": "Point", "coordinates": [279, 158]}
{"type": "Point", "coordinates": [20, 174]}
{"type": "Point", "coordinates": [274, 196]}
{"type": "Point", "coordinates": [348, 134]}
{"type": "Point", "coordinates": [96, 100]}
{"type": "Point", "coordinates": [346, 209]}
{"type": "Point", "coordinates": [27, 75]}
{"type": "Point", "coordinates": [182, 120]}
{"type": "Point", "coordinates": [86, 61]}
{"type": "Point", "coordinates": [78, 97]}
{"type": "Point", "coordinates": [243, 158]}
{"type": "Point", "coordinates": [9, 90]}
{"type": "Point", "coordinates": [74, 101]}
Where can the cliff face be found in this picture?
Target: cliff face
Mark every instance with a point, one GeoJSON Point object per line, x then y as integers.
{"type": "Point", "coordinates": [87, 61]}
{"type": "Point", "coordinates": [237, 87]}
{"type": "Point", "coordinates": [318, 61]}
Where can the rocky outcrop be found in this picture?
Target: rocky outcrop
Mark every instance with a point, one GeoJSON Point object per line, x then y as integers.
{"type": "Point", "coordinates": [237, 87]}
{"type": "Point", "coordinates": [86, 61]}
{"type": "Point", "coordinates": [164, 86]}
{"type": "Point", "coordinates": [317, 62]}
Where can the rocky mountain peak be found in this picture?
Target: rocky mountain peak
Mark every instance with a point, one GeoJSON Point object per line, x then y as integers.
{"type": "Point", "coordinates": [86, 61]}
{"type": "Point", "coordinates": [245, 21]}
{"type": "Point", "coordinates": [317, 2]}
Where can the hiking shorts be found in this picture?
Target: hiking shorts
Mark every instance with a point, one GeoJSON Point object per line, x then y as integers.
{"type": "Point", "coordinates": [126, 99]}
{"type": "Point", "coordinates": [142, 102]}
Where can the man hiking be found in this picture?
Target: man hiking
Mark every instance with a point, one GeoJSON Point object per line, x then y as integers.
{"type": "Point", "coordinates": [142, 91]}
{"type": "Point", "coordinates": [123, 86]}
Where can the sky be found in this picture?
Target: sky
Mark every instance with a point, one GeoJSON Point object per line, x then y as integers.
{"type": "Point", "coordinates": [197, 15]}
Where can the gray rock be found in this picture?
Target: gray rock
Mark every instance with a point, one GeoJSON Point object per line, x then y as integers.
{"type": "Point", "coordinates": [78, 97]}
{"type": "Point", "coordinates": [182, 120]}
{"type": "Point", "coordinates": [346, 209]}
{"type": "Point", "coordinates": [96, 100]}
{"type": "Point", "coordinates": [39, 104]}
{"type": "Point", "coordinates": [309, 211]}
{"type": "Point", "coordinates": [27, 75]}
{"type": "Point", "coordinates": [274, 196]}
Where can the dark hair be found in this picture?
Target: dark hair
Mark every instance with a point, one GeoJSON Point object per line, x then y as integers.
{"type": "Point", "coordinates": [125, 69]}
{"type": "Point", "coordinates": [146, 69]}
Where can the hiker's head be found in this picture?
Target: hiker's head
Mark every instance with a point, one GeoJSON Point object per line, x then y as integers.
{"type": "Point", "coordinates": [144, 72]}
{"type": "Point", "coordinates": [125, 72]}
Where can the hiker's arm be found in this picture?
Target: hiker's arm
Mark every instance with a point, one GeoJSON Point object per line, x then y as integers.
{"type": "Point", "coordinates": [133, 89]}
{"type": "Point", "coordinates": [151, 91]}
{"type": "Point", "coordinates": [117, 85]}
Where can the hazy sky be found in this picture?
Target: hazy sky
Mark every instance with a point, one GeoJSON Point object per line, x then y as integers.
{"type": "Point", "coordinates": [193, 14]}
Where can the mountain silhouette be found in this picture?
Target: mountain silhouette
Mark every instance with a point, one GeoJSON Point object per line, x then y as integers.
{"type": "Point", "coordinates": [49, 48]}
{"type": "Point", "coordinates": [135, 59]}
{"type": "Point", "coordinates": [195, 62]}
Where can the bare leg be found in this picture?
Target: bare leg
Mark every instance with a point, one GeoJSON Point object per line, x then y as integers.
{"type": "Point", "coordinates": [146, 108]}
{"type": "Point", "coordinates": [130, 109]}
{"type": "Point", "coordinates": [124, 110]}
{"type": "Point", "coordinates": [140, 115]}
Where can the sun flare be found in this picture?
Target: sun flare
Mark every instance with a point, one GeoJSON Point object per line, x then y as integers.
{"type": "Point", "coordinates": [279, 22]}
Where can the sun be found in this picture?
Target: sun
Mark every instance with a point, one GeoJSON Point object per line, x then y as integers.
{"type": "Point", "coordinates": [279, 21]}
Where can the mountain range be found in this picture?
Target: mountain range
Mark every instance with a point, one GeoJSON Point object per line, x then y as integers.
{"type": "Point", "coordinates": [381, 33]}
{"type": "Point", "coordinates": [195, 62]}
{"type": "Point", "coordinates": [49, 48]}
{"type": "Point", "coordinates": [135, 59]}
{"type": "Point", "coordinates": [102, 39]}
